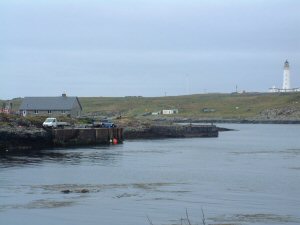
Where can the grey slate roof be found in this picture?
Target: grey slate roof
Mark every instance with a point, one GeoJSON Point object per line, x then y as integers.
{"type": "Point", "coordinates": [49, 103]}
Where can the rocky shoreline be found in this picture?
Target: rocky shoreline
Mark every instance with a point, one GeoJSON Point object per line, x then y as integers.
{"type": "Point", "coordinates": [249, 121]}
{"type": "Point", "coordinates": [20, 134]}
{"type": "Point", "coordinates": [27, 138]}
{"type": "Point", "coordinates": [234, 121]}
{"type": "Point", "coordinates": [171, 131]}
{"type": "Point", "coordinates": [24, 138]}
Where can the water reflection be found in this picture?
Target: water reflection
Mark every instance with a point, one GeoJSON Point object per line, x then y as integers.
{"type": "Point", "coordinates": [246, 177]}
{"type": "Point", "coordinates": [106, 155]}
{"type": "Point", "coordinates": [66, 195]}
{"type": "Point", "coordinates": [40, 204]}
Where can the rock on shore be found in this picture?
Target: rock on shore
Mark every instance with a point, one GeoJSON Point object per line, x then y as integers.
{"type": "Point", "coordinates": [171, 131]}
{"type": "Point", "coordinates": [17, 138]}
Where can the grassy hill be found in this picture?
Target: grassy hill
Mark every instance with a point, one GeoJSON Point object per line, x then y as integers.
{"type": "Point", "coordinates": [224, 106]}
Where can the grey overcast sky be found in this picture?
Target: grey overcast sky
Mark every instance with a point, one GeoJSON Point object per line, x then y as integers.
{"type": "Point", "coordinates": [146, 47]}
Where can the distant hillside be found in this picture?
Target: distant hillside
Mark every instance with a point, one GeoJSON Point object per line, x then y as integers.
{"type": "Point", "coordinates": [219, 106]}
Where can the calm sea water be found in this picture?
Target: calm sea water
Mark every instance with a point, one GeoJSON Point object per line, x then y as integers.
{"type": "Point", "coordinates": [249, 176]}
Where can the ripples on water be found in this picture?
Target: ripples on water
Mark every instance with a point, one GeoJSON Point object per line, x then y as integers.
{"type": "Point", "coordinates": [60, 156]}
{"type": "Point", "coordinates": [250, 176]}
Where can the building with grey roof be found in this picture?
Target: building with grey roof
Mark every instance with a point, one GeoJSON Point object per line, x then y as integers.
{"type": "Point", "coordinates": [51, 106]}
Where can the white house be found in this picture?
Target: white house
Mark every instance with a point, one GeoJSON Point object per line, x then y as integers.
{"type": "Point", "coordinates": [169, 111]}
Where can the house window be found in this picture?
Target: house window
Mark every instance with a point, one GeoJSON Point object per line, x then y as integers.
{"type": "Point", "coordinates": [49, 111]}
{"type": "Point", "coordinates": [63, 111]}
{"type": "Point", "coordinates": [36, 111]}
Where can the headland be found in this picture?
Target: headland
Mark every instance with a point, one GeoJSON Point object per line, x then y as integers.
{"type": "Point", "coordinates": [158, 117]}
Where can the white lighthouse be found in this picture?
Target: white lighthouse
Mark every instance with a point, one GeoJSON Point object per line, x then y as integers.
{"type": "Point", "coordinates": [286, 86]}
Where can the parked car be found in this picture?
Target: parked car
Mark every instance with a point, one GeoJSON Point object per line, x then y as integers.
{"type": "Point", "coordinates": [53, 122]}
{"type": "Point", "coordinates": [104, 123]}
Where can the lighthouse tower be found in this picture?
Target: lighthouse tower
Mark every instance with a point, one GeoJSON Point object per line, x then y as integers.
{"type": "Point", "coordinates": [286, 77]}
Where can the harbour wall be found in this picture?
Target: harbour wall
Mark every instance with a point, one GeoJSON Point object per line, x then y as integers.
{"type": "Point", "coordinates": [27, 138]}
{"type": "Point", "coordinates": [38, 138]}
{"type": "Point", "coordinates": [86, 136]}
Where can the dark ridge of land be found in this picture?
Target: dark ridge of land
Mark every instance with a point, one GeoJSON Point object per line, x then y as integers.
{"type": "Point", "coordinates": [24, 138]}
{"type": "Point", "coordinates": [30, 138]}
{"type": "Point", "coordinates": [172, 131]}
{"type": "Point", "coordinates": [239, 121]}
{"type": "Point", "coordinates": [19, 133]}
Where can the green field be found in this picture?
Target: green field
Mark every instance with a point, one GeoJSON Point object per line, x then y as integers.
{"type": "Point", "coordinates": [222, 106]}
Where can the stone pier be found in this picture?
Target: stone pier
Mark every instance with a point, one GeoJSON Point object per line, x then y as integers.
{"type": "Point", "coordinates": [86, 136]}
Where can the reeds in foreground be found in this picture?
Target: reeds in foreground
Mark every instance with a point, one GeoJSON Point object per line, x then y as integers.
{"type": "Point", "coordinates": [184, 221]}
